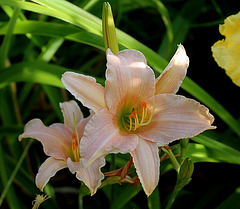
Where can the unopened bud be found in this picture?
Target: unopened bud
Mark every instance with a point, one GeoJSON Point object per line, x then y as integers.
{"type": "Point", "coordinates": [108, 27]}
{"type": "Point", "coordinates": [186, 169]}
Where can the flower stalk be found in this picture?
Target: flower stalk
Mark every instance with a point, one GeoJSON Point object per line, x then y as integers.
{"type": "Point", "coordinates": [183, 145]}
{"type": "Point", "coordinates": [183, 178]}
{"type": "Point", "coordinates": [172, 158]}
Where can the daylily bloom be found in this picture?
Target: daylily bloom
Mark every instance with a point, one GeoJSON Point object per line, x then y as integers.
{"type": "Point", "coordinates": [226, 52]}
{"type": "Point", "coordinates": [61, 143]}
{"type": "Point", "coordinates": [135, 112]}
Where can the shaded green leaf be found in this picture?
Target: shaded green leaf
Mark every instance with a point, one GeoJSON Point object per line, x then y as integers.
{"type": "Point", "coordinates": [217, 150]}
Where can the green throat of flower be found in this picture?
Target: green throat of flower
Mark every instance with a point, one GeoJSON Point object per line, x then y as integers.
{"type": "Point", "coordinates": [131, 119]}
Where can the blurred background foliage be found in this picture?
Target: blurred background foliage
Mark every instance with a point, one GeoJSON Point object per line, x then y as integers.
{"type": "Point", "coordinates": [41, 39]}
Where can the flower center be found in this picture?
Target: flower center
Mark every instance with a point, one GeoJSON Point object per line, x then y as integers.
{"type": "Point", "coordinates": [75, 148]}
{"type": "Point", "coordinates": [137, 118]}
{"type": "Point", "coordinates": [75, 143]}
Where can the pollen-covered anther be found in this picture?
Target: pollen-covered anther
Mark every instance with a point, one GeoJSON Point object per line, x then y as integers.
{"type": "Point", "coordinates": [134, 123]}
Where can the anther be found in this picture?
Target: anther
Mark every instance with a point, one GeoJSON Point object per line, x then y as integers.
{"type": "Point", "coordinates": [133, 114]}
{"type": "Point", "coordinates": [143, 107]}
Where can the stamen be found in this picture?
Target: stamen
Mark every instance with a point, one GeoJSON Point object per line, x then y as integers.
{"type": "Point", "coordinates": [143, 106]}
{"type": "Point", "coordinates": [133, 114]}
{"type": "Point", "coordinates": [144, 114]}
{"type": "Point", "coordinates": [124, 124]}
{"type": "Point", "coordinates": [149, 120]}
{"type": "Point", "coordinates": [75, 142]}
{"type": "Point", "coordinates": [136, 122]}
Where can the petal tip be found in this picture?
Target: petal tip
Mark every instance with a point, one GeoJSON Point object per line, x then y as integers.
{"type": "Point", "coordinates": [181, 56]}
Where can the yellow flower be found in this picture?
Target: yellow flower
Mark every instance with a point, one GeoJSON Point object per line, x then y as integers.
{"type": "Point", "coordinates": [226, 52]}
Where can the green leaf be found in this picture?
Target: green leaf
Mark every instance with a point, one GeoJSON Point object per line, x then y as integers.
{"type": "Point", "coordinates": [4, 49]}
{"type": "Point", "coordinates": [199, 153]}
{"type": "Point", "coordinates": [233, 201]}
{"type": "Point", "coordinates": [217, 150]}
{"type": "Point", "coordinates": [55, 97]}
{"type": "Point", "coordinates": [123, 197]}
{"type": "Point", "coordinates": [39, 72]}
{"type": "Point", "coordinates": [154, 200]}
{"type": "Point", "coordinates": [11, 130]}
{"type": "Point", "coordinates": [8, 191]}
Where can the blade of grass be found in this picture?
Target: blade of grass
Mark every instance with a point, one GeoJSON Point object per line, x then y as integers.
{"type": "Point", "coordinates": [154, 200]}
{"type": "Point", "coordinates": [10, 180]}
{"type": "Point", "coordinates": [55, 29]}
{"type": "Point", "coordinates": [4, 49]}
{"type": "Point", "coordinates": [12, 130]}
{"type": "Point", "coordinates": [126, 194]}
{"type": "Point", "coordinates": [53, 93]}
{"type": "Point", "coordinates": [10, 194]}
{"type": "Point", "coordinates": [168, 24]}
{"type": "Point", "coordinates": [233, 201]}
{"type": "Point", "coordinates": [218, 150]}
{"type": "Point", "coordinates": [37, 72]}
{"type": "Point", "coordinates": [50, 49]}
{"type": "Point", "coordinates": [55, 98]}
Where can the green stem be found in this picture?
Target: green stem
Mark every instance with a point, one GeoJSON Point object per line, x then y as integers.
{"type": "Point", "coordinates": [176, 166]}
{"type": "Point", "coordinates": [183, 144]}
{"type": "Point", "coordinates": [172, 198]}
{"type": "Point", "coordinates": [112, 167]}
{"type": "Point", "coordinates": [80, 200]}
{"type": "Point", "coordinates": [172, 157]}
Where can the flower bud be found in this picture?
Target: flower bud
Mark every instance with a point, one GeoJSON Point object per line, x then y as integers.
{"type": "Point", "coordinates": [186, 169]}
{"type": "Point", "coordinates": [108, 27]}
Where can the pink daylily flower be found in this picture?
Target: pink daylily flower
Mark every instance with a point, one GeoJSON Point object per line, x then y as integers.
{"type": "Point", "coordinates": [61, 143]}
{"type": "Point", "coordinates": [135, 112]}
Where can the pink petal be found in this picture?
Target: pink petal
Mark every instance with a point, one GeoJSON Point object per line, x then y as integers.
{"type": "Point", "coordinates": [56, 139]}
{"type": "Point", "coordinates": [147, 163]}
{"type": "Point", "coordinates": [81, 126]}
{"type": "Point", "coordinates": [171, 78]}
{"type": "Point", "coordinates": [176, 117]}
{"type": "Point", "coordinates": [127, 77]}
{"type": "Point", "coordinates": [69, 109]}
{"type": "Point", "coordinates": [91, 176]}
{"type": "Point", "coordinates": [85, 89]}
{"type": "Point", "coordinates": [47, 170]}
{"type": "Point", "coordinates": [102, 136]}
